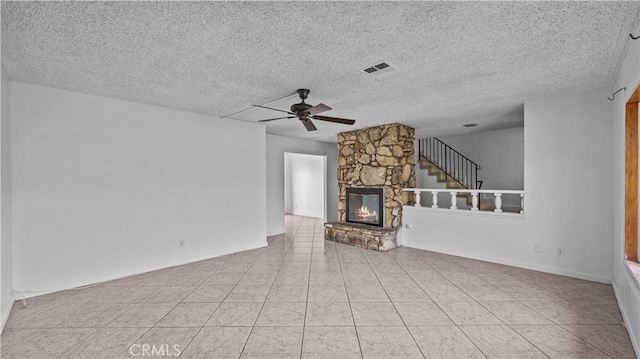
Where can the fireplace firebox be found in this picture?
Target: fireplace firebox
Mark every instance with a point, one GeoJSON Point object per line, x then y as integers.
{"type": "Point", "coordinates": [364, 205]}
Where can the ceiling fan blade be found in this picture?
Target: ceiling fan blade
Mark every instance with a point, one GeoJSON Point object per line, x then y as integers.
{"type": "Point", "coordinates": [343, 121]}
{"type": "Point", "coordinates": [308, 124]}
{"type": "Point", "coordinates": [275, 109]}
{"type": "Point", "coordinates": [277, 118]}
{"type": "Point", "coordinates": [318, 109]}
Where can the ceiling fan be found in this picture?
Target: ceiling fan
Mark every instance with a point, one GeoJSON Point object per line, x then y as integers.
{"type": "Point", "coordinates": [305, 113]}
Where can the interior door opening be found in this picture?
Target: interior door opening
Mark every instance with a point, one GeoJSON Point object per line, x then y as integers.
{"type": "Point", "coordinates": [305, 185]}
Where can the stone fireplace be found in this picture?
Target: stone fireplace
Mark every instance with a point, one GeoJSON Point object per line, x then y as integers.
{"type": "Point", "coordinates": [376, 160]}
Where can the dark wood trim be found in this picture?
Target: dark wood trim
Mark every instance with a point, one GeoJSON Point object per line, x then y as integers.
{"type": "Point", "coordinates": [635, 97]}
{"type": "Point", "coordinates": [631, 177]}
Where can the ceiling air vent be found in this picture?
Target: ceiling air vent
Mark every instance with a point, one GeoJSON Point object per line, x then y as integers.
{"type": "Point", "coordinates": [380, 69]}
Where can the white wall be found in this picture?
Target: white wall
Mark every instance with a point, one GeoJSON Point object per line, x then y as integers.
{"type": "Point", "coordinates": [500, 154]}
{"type": "Point", "coordinates": [567, 201]}
{"type": "Point", "coordinates": [6, 245]}
{"type": "Point", "coordinates": [627, 291]}
{"type": "Point", "coordinates": [568, 179]}
{"type": "Point", "coordinates": [482, 235]}
{"type": "Point", "coordinates": [304, 184]}
{"type": "Point", "coordinates": [276, 147]}
{"type": "Point", "coordinates": [104, 188]}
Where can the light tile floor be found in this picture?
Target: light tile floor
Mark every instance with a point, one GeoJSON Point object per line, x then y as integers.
{"type": "Point", "coordinates": [302, 297]}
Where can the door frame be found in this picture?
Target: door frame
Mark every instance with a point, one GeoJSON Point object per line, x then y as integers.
{"type": "Point", "coordinates": [631, 177]}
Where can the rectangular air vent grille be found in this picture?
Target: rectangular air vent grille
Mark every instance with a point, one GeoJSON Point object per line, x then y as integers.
{"type": "Point", "coordinates": [380, 69]}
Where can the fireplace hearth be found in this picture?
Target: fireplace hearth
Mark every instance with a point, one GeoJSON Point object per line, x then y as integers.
{"type": "Point", "coordinates": [365, 206]}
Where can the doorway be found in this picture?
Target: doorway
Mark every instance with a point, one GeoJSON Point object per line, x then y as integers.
{"type": "Point", "coordinates": [305, 185]}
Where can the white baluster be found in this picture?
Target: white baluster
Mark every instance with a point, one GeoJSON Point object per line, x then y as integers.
{"type": "Point", "coordinates": [498, 202]}
{"type": "Point", "coordinates": [454, 201]}
{"type": "Point", "coordinates": [434, 199]}
{"type": "Point", "coordinates": [417, 199]}
{"type": "Point", "coordinates": [474, 201]}
{"type": "Point", "coordinates": [521, 203]}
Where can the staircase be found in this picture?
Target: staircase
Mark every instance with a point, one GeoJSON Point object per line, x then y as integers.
{"type": "Point", "coordinates": [450, 167]}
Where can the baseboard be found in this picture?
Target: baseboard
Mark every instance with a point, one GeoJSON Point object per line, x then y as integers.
{"type": "Point", "coordinates": [32, 292]}
{"type": "Point", "coordinates": [5, 316]}
{"type": "Point", "coordinates": [625, 316]}
{"type": "Point", "coordinates": [525, 265]}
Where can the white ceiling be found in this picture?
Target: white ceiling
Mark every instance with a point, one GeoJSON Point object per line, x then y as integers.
{"type": "Point", "coordinates": [457, 62]}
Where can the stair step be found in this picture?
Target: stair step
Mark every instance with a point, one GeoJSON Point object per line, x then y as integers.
{"type": "Point", "coordinates": [425, 163]}
{"type": "Point", "coordinates": [442, 177]}
{"type": "Point", "coordinates": [454, 185]}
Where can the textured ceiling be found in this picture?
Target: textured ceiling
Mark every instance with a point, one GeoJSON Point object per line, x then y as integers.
{"type": "Point", "coordinates": [457, 62]}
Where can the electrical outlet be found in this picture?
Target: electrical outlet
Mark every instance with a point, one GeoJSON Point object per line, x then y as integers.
{"type": "Point", "coordinates": [181, 244]}
{"type": "Point", "coordinates": [538, 248]}
{"type": "Point", "coordinates": [560, 251]}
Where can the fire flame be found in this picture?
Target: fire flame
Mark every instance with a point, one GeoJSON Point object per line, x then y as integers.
{"type": "Point", "coordinates": [364, 214]}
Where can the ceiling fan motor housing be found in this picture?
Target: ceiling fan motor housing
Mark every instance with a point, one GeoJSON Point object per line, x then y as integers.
{"type": "Point", "coordinates": [298, 108]}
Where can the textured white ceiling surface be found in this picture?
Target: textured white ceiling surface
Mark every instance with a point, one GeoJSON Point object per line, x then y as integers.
{"type": "Point", "coordinates": [457, 62]}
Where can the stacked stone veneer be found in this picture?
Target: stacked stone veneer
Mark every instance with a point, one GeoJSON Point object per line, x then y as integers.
{"type": "Point", "coordinates": [382, 156]}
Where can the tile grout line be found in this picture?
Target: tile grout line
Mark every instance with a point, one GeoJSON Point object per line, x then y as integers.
{"type": "Point", "coordinates": [585, 341]}
{"type": "Point", "coordinates": [438, 305]}
{"type": "Point", "coordinates": [479, 303]}
{"type": "Point", "coordinates": [116, 317]}
{"type": "Point", "coordinates": [174, 307]}
{"type": "Point", "coordinates": [286, 249]}
{"type": "Point", "coordinates": [219, 305]}
{"type": "Point", "coordinates": [355, 327]}
{"type": "Point", "coordinates": [306, 304]}
{"type": "Point", "coordinates": [475, 301]}
{"type": "Point", "coordinates": [393, 304]}
{"type": "Point", "coordinates": [41, 329]}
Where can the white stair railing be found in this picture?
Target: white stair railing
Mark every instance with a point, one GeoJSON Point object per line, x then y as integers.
{"type": "Point", "coordinates": [475, 193]}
